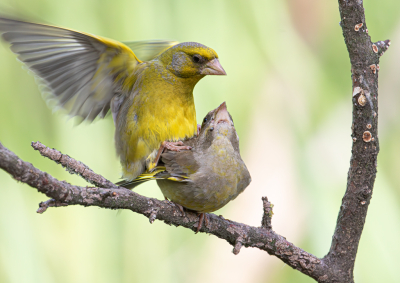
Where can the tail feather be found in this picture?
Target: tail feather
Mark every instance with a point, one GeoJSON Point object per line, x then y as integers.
{"type": "Point", "coordinates": [158, 173]}
{"type": "Point", "coordinates": [147, 176]}
{"type": "Point", "coordinates": [131, 184]}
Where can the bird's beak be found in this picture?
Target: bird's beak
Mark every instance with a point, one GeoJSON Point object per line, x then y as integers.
{"type": "Point", "coordinates": [213, 68]}
{"type": "Point", "coordinates": [222, 114]}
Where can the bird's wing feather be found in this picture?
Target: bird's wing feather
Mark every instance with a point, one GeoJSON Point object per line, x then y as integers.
{"type": "Point", "coordinates": [79, 71]}
{"type": "Point", "coordinates": [178, 167]}
{"type": "Point", "coordinates": [180, 164]}
{"type": "Point", "coordinates": [148, 50]}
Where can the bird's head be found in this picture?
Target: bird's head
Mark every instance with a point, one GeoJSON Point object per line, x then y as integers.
{"type": "Point", "coordinates": [191, 59]}
{"type": "Point", "coordinates": [217, 125]}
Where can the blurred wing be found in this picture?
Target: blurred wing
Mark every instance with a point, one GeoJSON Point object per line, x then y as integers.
{"type": "Point", "coordinates": [148, 50]}
{"type": "Point", "coordinates": [81, 72]}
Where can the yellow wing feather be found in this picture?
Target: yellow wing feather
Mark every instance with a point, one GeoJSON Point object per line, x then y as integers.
{"type": "Point", "coordinates": [80, 71]}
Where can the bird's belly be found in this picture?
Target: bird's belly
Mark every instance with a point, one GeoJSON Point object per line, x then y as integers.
{"type": "Point", "coordinates": [212, 186]}
{"type": "Point", "coordinates": [206, 197]}
{"type": "Point", "coordinates": [145, 130]}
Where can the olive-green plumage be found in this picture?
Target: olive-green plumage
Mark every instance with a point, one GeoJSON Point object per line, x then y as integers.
{"type": "Point", "coordinates": [151, 100]}
{"type": "Point", "coordinates": [210, 175]}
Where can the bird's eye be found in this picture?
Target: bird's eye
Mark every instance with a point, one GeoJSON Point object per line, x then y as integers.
{"type": "Point", "coordinates": [196, 58]}
{"type": "Point", "coordinates": [205, 120]}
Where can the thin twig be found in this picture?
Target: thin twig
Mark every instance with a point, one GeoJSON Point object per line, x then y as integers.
{"type": "Point", "coordinates": [44, 205]}
{"type": "Point", "coordinates": [267, 215]}
{"type": "Point", "coordinates": [73, 166]}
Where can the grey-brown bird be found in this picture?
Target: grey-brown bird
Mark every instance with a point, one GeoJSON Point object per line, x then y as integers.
{"type": "Point", "coordinates": [210, 175]}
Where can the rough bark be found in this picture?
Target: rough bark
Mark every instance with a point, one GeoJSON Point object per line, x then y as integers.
{"type": "Point", "coordinates": [338, 264]}
{"type": "Point", "coordinates": [364, 58]}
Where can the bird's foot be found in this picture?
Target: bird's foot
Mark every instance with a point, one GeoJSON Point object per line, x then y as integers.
{"type": "Point", "coordinates": [180, 207]}
{"type": "Point", "coordinates": [175, 146]}
{"type": "Point", "coordinates": [202, 218]}
{"type": "Point", "coordinates": [182, 210]}
{"type": "Point", "coordinates": [198, 129]}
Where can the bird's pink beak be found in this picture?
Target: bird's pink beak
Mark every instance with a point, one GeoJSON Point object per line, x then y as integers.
{"type": "Point", "coordinates": [222, 114]}
{"type": "Point", "coordinates": [213, 68]}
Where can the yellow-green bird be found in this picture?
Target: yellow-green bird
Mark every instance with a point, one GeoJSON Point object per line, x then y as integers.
{"type": "Point", "coordinates": [210, 175]}
{"type": "Point", "coordinates": [151, 101]}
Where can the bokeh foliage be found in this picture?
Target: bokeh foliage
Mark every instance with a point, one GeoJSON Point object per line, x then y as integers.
{"type": "Point", "coordinates": [289, 91]}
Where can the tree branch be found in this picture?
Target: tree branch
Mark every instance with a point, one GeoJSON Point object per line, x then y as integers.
{"type": "Point", "coordinates": [236, 234]}
{"type": "Point", "coordinates": [364, 58]}
{"type": "Point", "coordinates": [73, 166]}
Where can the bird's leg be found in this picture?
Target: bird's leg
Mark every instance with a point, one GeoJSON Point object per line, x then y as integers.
{"type": "Point", "coordinates": [160, 151]}
{"type": "Point", "coordinates": [206, 220]}
{"type": "Point", "coordinates": [180, 207]}
{"type": "Point", "coordinates": [174, 146]}
{"type": "Point", "coordinates": [201, 219]}
{"type": "Point", "coordinates": [198, 129]}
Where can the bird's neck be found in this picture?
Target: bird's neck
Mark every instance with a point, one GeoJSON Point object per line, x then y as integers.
{"type": "Point", "coordinates": [170, 100]}
{"type": "Point", "coordinates": [183, 85]}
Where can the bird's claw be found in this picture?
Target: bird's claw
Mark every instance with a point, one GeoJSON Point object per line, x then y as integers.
{"type": "Point", "coordinates": [173, 146]}
{"type": "Point", "coordinates": [198, 129]}
{"type": "Point", "coordinates": [180, 207]}
{"type": "Point", "coordinates": [202, 218]}
{"type": "Point", "coordinates": [176, 146]}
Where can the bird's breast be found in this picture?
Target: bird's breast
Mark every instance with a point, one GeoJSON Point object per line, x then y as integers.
{"type": "Point", "coordinates": [160, 109]}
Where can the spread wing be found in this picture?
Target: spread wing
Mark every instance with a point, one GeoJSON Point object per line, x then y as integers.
{"type": "Point", "coordinates": [81, 72]}
{"type": "Point", "coordinates": [148, 50]}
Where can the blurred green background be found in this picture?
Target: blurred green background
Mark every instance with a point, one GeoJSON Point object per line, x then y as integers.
{"type": "Point", "coordinates": [289, 91]}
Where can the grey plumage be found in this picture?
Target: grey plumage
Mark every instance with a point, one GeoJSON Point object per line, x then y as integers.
{"type": "Point", "coordinates": [210, 175]}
